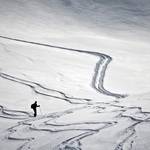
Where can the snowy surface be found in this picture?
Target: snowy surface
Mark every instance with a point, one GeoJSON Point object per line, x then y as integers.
{"type": "Point", "coordinates": [86, 63]}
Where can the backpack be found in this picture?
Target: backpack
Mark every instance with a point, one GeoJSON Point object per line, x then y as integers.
{"type": "Point", "coordinates": [32, 106]}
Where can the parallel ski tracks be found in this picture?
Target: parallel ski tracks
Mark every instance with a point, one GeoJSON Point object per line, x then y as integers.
{"type": "Point", "coordinates": [100, 67]}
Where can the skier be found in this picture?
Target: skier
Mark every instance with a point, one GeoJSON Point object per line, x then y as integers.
{"type": "Point", "coordinates": [34, 106]}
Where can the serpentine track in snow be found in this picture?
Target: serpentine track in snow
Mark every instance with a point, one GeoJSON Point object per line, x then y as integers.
{"type": "Point", "coordinates": [100, 68]}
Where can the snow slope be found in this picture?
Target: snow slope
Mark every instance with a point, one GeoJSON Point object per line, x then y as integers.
{"type": "Point", "coordinates": [86, 63]}
{"type": "Point", "coordinates": [127, 19]}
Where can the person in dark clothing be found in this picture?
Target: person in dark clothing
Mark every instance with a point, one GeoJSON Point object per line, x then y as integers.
{"type": "Point", "coordinates": [34, 106]}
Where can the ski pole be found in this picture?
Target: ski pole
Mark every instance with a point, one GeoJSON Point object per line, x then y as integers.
{"type": "Point", "coordinates": [41, 111]}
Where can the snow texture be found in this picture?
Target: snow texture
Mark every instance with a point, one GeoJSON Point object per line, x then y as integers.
{"type": "Point", "coordinates": [86, 63]}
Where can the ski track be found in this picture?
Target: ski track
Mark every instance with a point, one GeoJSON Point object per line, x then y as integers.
{"type": "Point", "coordinates": [48, 123]}
{"type": "Point", "coordinates": [100, 68]}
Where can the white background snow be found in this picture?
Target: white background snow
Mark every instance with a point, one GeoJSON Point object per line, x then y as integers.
{"type": "Point", "coordinates": [86, 63]}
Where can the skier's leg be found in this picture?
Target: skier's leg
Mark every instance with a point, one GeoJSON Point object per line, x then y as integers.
{"type": "Point", "coordinates": [35, 113]}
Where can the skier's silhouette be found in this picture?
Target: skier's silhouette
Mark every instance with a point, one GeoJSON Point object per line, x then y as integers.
{"type": "Point", "coordinates": [34, 106]}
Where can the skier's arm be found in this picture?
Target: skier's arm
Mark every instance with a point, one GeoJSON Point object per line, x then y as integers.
{"type": "Point", "coordinates": [38, 105]}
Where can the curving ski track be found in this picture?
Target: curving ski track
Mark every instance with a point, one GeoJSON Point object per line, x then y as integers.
{"type": "Point", "coordinates": [74, 132]}
{"type": "Point", "coordinates": [100, 68]}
